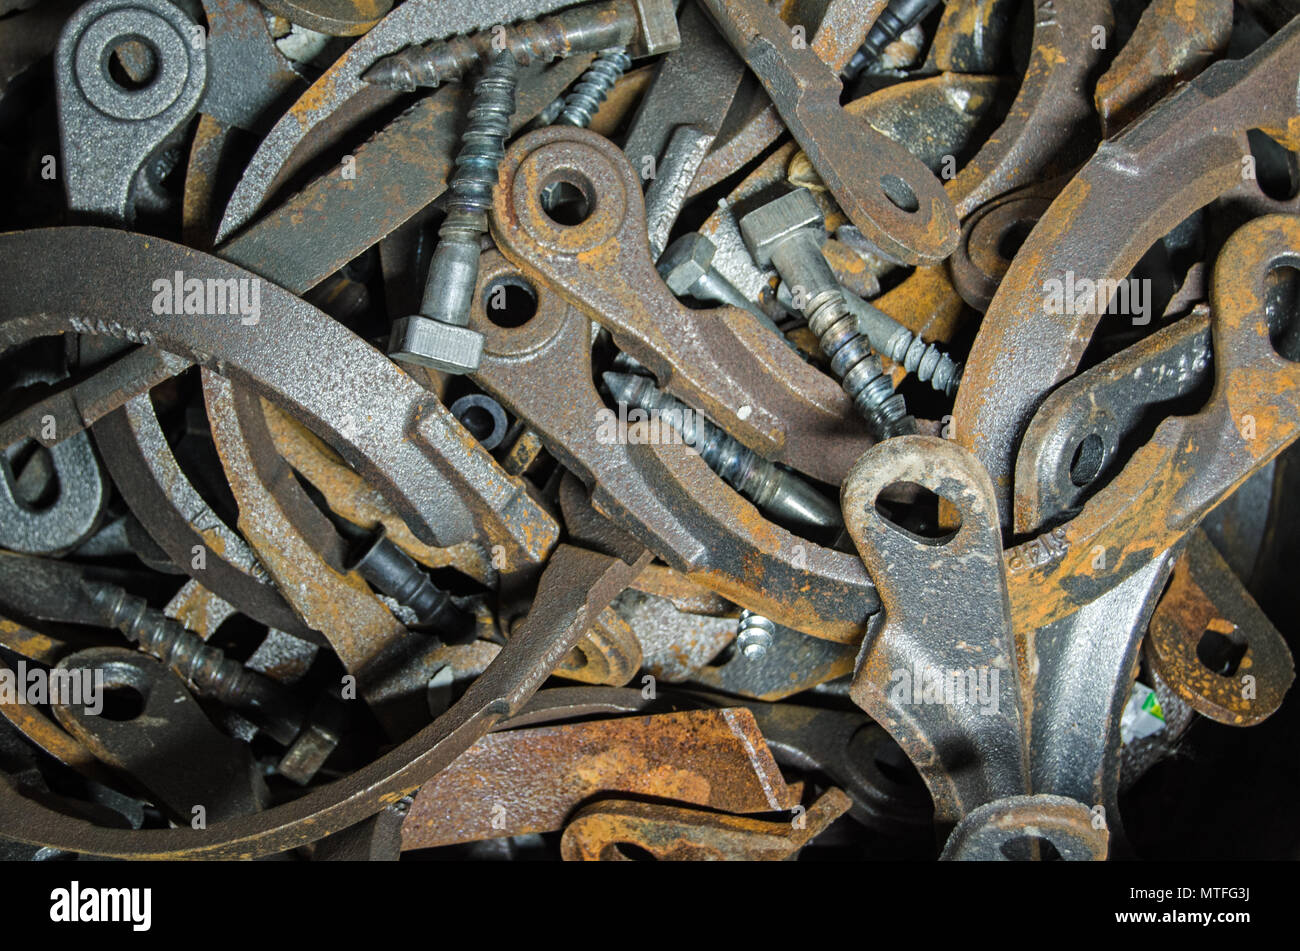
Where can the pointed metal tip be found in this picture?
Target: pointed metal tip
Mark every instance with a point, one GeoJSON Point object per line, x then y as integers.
{"type": "Point", "coordinates": [620, 384]}
{"type": "Point", "coordinates": [389, 72]}
{"type": "Point", "coordinates": [797, 500]}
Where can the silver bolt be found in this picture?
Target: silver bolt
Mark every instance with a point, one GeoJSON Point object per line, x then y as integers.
{"type": "Point", "coordinates": [687, 268]}
{"type": "Point", "coordinates": [891, 339]}
{"type": "Point", "coordinates": [439, 336]}
{"type": "Point", "coordinates": [754, 636]}
{"type": "Point", "coordinates": [647, 26]}
{"type": "Point", "coordinates": [589, 92]}
{"type": "Point", "coordinates": [787, 233]}
{"type": "Point", "coordinates": [768, 486]}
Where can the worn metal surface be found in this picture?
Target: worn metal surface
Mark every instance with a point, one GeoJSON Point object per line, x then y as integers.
{"type": "Point", "coordinates": [335, 17]}
{"type": "Point", "coordinates": [711, 362]}
{"type": "Point", "coordinates": [663, 494]}
{"type": "Point", "coordinates": [674, 834]}
{"type": "Point", "coordinates": [337, 555]}
{"type": "Point", "coordinates": [1210, 642]}
{"type": "Point", "coordinates": [1190, 463]}
{"type": "Point", "coordinates": [1172, 43]}
{"type": "Point", "coordinates": [575, 587]}
{"type": "Point", "coordinates": [882, 188]}
{"type": "Point", "coordinates": [1076, 435]}
{"type": "Point", "coordinates": [109, 129]}
{"type": "Point", "coordinates": [169, 748]}
{"type": "Point", "coordinates": [1175, 159]}
{"type": "Point", "coordinates": [968, 741]}
{"type": "Point", "coordinates": [338, 98]}
{"type": "Point", "coordinates": [392, 440]}
{"type": "Point", "coordinates": [531, 780]}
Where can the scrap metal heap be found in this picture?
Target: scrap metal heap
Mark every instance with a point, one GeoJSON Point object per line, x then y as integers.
{"type": "Point", "coordinates": [517, 428]}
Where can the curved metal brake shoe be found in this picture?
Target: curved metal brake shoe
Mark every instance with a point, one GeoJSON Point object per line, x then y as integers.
{"type": "Point", "coordinates": [575, 587]}
{"type": "Point", "coordinates": [1178, 156]}
{"type": "Point", "coordinates": [433, 472]}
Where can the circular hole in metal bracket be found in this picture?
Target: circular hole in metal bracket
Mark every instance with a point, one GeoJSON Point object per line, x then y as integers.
{"type": "Point", "coordinates": [131, 62]}
{"type": "Point", "coordinates": [1088, 457]}
{"type": "Point", "coordinates": [125, 690]}
{"type": "Point", "coordinates": [1022, 849]}
{"type": "Point", "coordinates": [32, 475]}
{"type": "Point", "coordinates": [568, 199]}
{"type": "Point", "coordinates": [1013, 238]}
{"type": "Point", "coordinates": [914, 510]}
{"type": "Point", "coordinates": [633, 852]}
{"type": "Point", "coordinates": [122, 704]}
{"type": "Point", "coordinates": [899, 193]}
{"type": "Point", "coordinates": [509, 301]}
{"type": "Point", "coordinates": [135, 63]}
{"type": "Point", "coordinates": [1221, 652]}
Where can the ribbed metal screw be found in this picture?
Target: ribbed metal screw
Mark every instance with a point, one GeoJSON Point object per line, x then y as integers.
{"type": "Point", "coordinates": [769, 487]}
{"type": "Point", "coordinates": [754, 636]}
{"type": "Point", "coordinates": [893, 21]}
{"type": "Point", "coordinates": [211, 672]}
{"type": "Point", "coordinates": [453, 271]}
{"type": "Point", "coordinates": [787, 233]}
{"type": "Point", "coordinates": [891, 339]}
{"type": "Point", "coordinates": [594, 26]}
{"type": "Point", "coordinates": [397, 575]}
{"type": "Point", "coordinates": [589, 92]}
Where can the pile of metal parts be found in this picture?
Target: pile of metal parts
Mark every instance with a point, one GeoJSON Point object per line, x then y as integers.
{"type": "Point", "coordinates": [631, 429]}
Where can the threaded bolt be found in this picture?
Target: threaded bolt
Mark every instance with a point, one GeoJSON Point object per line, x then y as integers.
{"type": "Point", "coordinates": [929, 363]}
{"type": "Point", "coordinates": [754, 636]}
{"type": "Point", "coordinates": [891, 339]}
{"type": "Point", "coordinates": [787, 233]}
{"type": "Point", "coordinates": [453, 271]}
{"type": "Point", "coordinates": [769, 487]}
{"type": "Point", "coordinates": [589, 92]}
{"type": "Point", "coordinates": [595, 26]}
{"type": "Point", "coordinates": [857, 368]}
{"type": "Point", "coordinates": [211, 673]}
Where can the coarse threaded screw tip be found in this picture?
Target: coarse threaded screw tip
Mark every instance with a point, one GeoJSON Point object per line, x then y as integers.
{"type": "Point", "coordinates": [891, 339]}
{"type": "Point", "coordinates": [211, 672]}
{"type": "Point", "coordinates": [857, 368]}
{"type": "Point", "coordinates": [444, 61]}
{"type": "Point", "coordinates": [928, 362]}
{"type": "Point", "coordinates": [768, 486]}
{"type": "Point", "coordinates": [589, 92]}
{"type": "Point", "coordinates": [754, 635]}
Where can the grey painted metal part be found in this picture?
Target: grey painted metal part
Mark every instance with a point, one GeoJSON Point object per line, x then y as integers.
{"type": "Point", "coordinates": [74, 514]}
{"type": "Point", "coordinates": [110, 131]}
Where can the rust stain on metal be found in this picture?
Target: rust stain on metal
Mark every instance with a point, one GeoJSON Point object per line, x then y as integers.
{"type": "Point", "coordinates": [531, 780]}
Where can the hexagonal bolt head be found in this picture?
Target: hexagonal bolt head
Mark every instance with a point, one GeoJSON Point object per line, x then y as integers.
{"type": "Point", "coordinates": [685, 261]}
{"type": "Point", "coordinates": [766, 228]}
{"type": "Point", "coordinates": [431, 343]}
